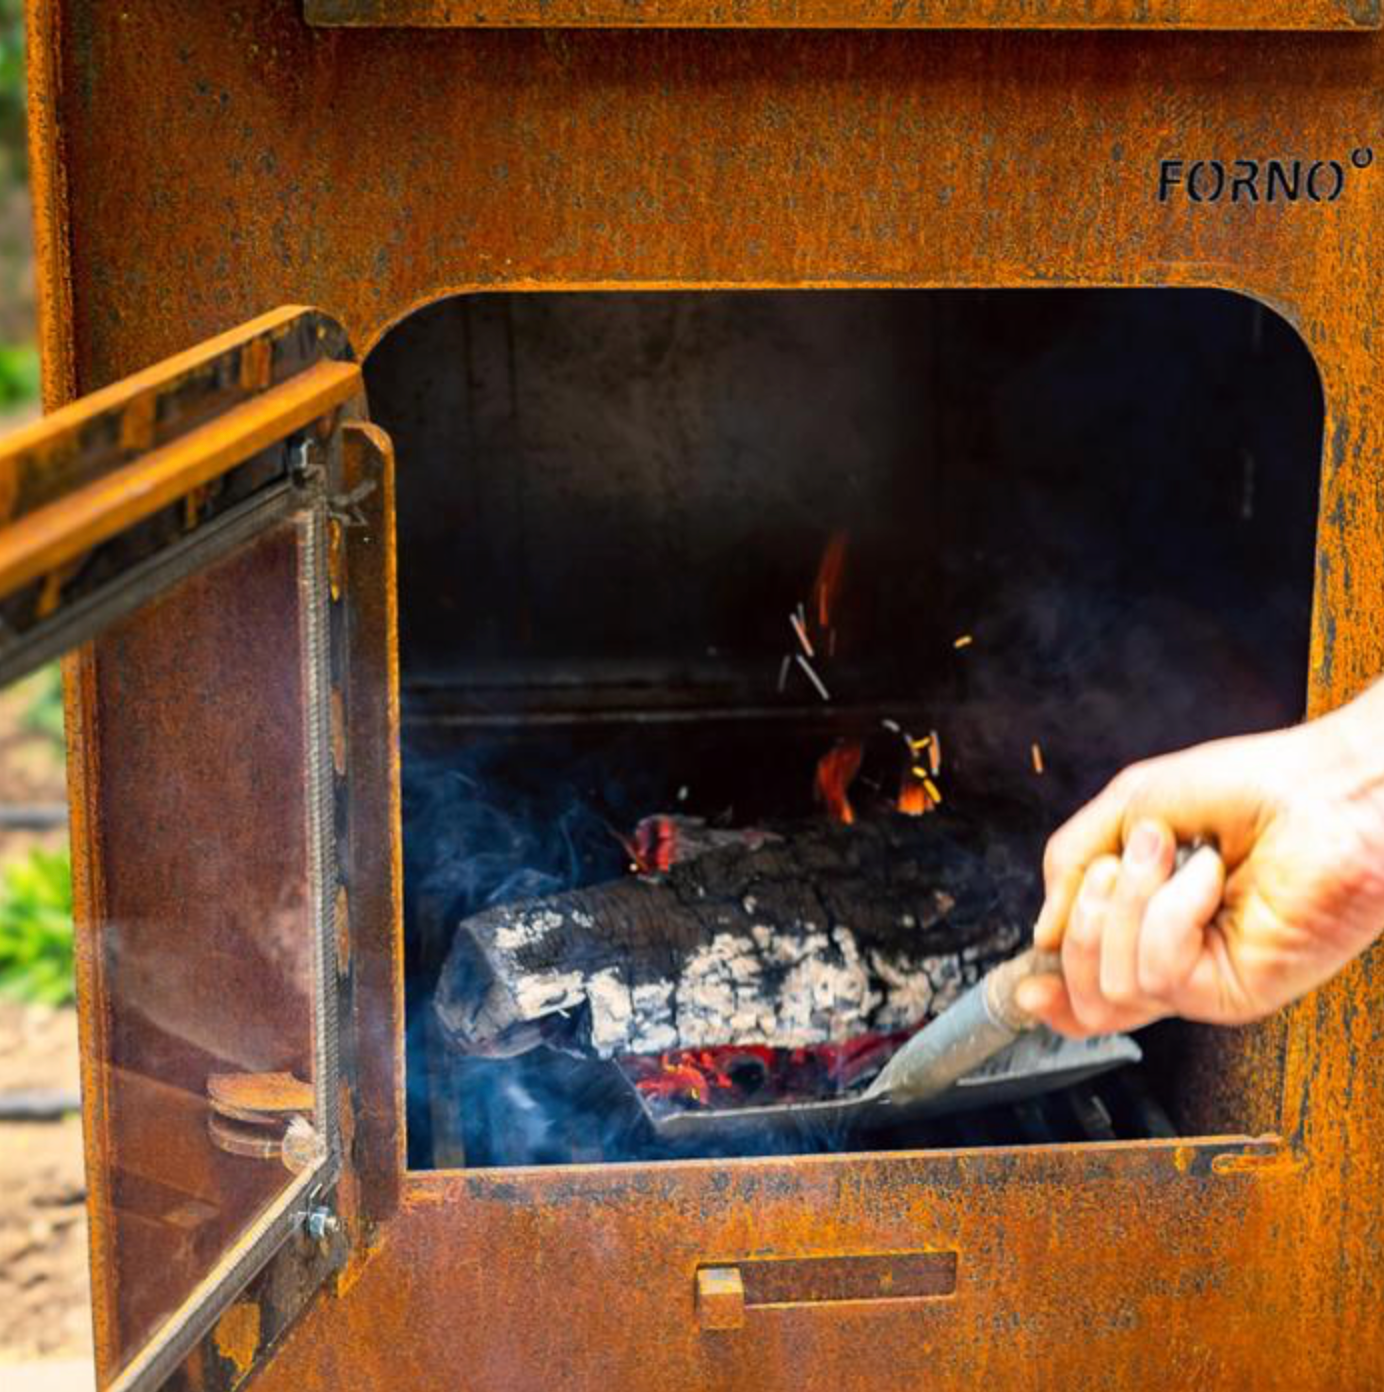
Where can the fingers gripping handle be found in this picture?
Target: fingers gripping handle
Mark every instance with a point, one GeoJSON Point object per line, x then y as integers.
{"type": "Point", "coordinates": [1002, 982]}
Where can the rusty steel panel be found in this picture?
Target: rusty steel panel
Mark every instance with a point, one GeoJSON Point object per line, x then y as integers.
{"type": "Point", "coordinates": [372, 959]}
{"type": "Point", "coordinates": [371, 171]}
{"type": "Point", "coordinates": [848, 14]}
{"type": "Point", "coordinates": [1084, 1267]}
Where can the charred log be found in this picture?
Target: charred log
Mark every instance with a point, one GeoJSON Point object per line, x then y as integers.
{"type": "Point", "coordinates": [818, 933]}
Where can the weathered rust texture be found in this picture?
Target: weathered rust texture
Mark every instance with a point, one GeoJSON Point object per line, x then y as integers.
{"type": "Point", "coordinates": [827, 1280]}
{"type": "Point", "coordinates": [372, 171]}
{"type": "Point", "coordinates": [853, 14]}
{"type": "Point", "coordinates": [1081, 1267]}
{"type": "Point", "coordinates": [374, 1037]}
{"type": "Point", "coordinates": [238, 1334]}
{"type": "Point", "coordinates": [48, 193]}
{"type": "Point", "coordinates": [54, 533]}
{"type": "Point", "coordinates": [162, 432]}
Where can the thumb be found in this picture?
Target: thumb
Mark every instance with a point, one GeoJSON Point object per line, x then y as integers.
{"type": "Point", "coordinates": [1093, 832]}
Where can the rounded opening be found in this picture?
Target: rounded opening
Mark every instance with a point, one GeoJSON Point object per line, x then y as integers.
{"type": "Point", "coordinates": [1063, 529]}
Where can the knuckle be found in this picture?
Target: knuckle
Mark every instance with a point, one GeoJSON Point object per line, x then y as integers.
{"type": "Point", "coordinates": [1136, 886]}
{"type": "Point", "coordinates": [1128, 781]}
{"type": "Point", "coordinates": [1095, 1014]}
{"type": "Point", "coordinates": [1155, 982]}
{"type": "Point", "coordinates": [1055, 855]}
{"type": "Point", "coordinates": [1155, 978]}
{"type": "Point", "coordinates": [1118, 991]}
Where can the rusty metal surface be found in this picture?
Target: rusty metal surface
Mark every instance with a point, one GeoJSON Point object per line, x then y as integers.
{"type": "Point", "coordinates": [372, 955]}
{"type": "Point", "coordinates": [833, 1279]}
{"type": "Point", "coordinates": [524, 160]}
{"type": "Point", "coordinates": [48, 192]}
{"type": "Point", "coordinates": [246, 1141]}
{"type": "Point", "coordinates": [102, 499]}
{"type": "Point", "coordinates": [101, 469]}
{"type": "Point", "coordinates": [212, 384]}
{"type": "Point", "coordinates": [1089, 1267]}
{"type": "Point", "coordinates": [865, 14]}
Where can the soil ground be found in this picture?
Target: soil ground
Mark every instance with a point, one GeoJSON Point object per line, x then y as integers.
{"type": "Point", "coordinates": [44, 1300]}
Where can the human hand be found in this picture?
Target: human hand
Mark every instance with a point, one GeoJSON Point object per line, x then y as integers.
{"type": "Point", "coordinates": [1296, 891]}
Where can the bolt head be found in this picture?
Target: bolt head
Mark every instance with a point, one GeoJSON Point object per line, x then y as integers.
{"type": "Point", "coordinates": [321, 1224]}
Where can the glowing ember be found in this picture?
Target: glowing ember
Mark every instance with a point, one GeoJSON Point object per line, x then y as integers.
{"type": "Point", "coordinates": [755, 1074]}
{"type": "Point", "coordinates": [654, 846]}
{"type": "Point", "coordinates": [836, 771]}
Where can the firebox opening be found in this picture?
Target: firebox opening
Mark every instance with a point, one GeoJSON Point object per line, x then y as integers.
{"type": "Point", "coordinates": [682, 569]}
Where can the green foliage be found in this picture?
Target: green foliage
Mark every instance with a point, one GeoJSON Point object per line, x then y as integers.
{"type": "Point", "coordinates": [12, 141]}
{"type": "Point", "coordinates": [44, 715]}
{"type": "Point", "coordinates": [36, 928]}
{"type": "Point", "coordinates": [19, 374]}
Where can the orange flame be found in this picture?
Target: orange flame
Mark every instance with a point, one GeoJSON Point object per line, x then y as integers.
{"type": "Point", "coordinates": [913, 799]}
{"type": "Point", "coordinates": [829, 572]}
{"type": "Point", "coordinates": [836, 771]}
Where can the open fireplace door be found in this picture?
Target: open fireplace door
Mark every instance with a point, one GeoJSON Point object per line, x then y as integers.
{"type": "Point", "coordinates": [202, 518]}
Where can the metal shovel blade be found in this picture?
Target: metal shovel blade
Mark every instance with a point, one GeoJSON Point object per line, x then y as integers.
{"type": "Point", "coordinates": [1037, 1062]}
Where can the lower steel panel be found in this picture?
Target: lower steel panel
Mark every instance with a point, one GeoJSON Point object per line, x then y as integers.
{"type": "Point", "coordinates": [1136, 1265]}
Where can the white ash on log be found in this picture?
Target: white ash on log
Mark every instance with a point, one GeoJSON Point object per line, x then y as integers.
{"type": "Point", "coordinates": [819, 933]}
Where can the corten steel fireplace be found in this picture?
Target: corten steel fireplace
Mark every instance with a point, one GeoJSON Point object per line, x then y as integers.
{"type": "Point", "coordinates": [1066, 312]}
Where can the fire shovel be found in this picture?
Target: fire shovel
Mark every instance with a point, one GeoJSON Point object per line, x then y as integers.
{"type": "Point", "coordinates": [982, 1023]}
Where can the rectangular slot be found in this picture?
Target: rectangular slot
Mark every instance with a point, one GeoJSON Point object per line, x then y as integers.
{"type": "Point", "coordinates": [725, 1293]}
{"type": "Point", "coordinates": [857, 14]}
{"type": "Point", "coordinates": [829, 1280]}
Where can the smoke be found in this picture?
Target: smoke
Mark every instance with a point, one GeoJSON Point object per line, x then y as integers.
{"type": "Point", "coordinates": [1113, 492]}
{"type": "Point", "coordinates": [491, 819]}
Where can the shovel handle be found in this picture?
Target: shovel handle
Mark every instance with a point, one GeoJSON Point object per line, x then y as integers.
{"type": "Point", "coordinates": [1002, 983]}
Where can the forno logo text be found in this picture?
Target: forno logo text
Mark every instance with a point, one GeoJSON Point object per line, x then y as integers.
{"type": "Point", "coordinates": [1258, 181]}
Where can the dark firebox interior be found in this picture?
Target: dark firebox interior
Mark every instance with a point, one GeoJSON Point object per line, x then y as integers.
{"type": "Point", "coordinates": [609, 504]}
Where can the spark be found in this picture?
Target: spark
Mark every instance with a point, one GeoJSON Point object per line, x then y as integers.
{"type": "Point", "coordinates": [813, 677]}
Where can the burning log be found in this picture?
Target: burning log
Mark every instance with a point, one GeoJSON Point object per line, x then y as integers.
{"type": "Point", "coordinates": [817, 934]}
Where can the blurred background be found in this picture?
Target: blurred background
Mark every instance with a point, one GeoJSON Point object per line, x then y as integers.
{"type": "Point", "coordinates": [45, 1324]}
